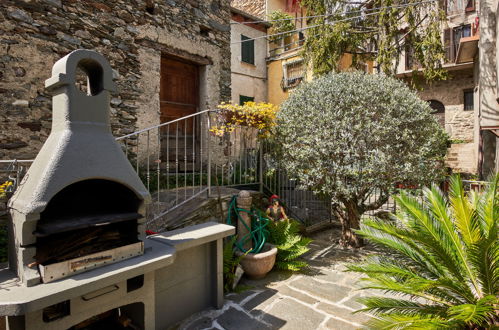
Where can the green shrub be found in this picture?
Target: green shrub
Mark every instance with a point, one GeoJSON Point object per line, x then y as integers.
{"type": "Point", "coordinates": [290, 244]}
{"type": "Point", "coordinates": [364, 134]}
{"type": "Point", "coordinates": [230, 264]}
{"type": "Point", "coordinates": [442, 264]}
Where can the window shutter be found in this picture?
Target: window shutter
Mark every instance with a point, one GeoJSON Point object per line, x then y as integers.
{"type": "Point", "coordinates": [448, 45]}
{"type": "Point", "coordinates": [247, 50]}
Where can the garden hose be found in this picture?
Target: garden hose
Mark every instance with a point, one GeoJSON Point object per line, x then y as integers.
{"type": "Point", "coordinates": [258, 233]}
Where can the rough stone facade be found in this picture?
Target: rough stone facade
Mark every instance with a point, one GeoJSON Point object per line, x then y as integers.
{"type": "Point", "coordinates": [459, 123]}
{"type": "Point", "coordinates": [133, 35]}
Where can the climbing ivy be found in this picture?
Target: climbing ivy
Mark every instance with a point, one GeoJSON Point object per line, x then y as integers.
{"type": "Point", "coordinates": [377, 30]}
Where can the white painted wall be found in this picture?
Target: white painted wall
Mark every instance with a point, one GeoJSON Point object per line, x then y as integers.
{"type": "Point", "coordinates": [247, 79]}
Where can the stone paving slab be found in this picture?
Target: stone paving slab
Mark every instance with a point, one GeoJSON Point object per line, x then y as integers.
{"type": "Point", "coordinates": [322, 297]}
{"type": "Point", "coordinates": [295, 315]}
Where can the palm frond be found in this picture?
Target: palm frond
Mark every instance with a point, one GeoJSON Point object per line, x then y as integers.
{"type": "Point", "coordinates": [403, 322]}
{"type": "Point", "coordinates": [403, 241]}
{"type": "Point", "coordinates": [463, 212]}
{"type": "Point", "coordinates": [443, 265]}
{"type": "Point", "coordinates": [478, 313]}
{"type": "Point", "coordinates": [384, 305]}
{"type": "Point", "coordinates": [484, 256]}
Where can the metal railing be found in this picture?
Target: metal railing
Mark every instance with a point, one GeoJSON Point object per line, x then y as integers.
{"type": "Point", "coordinates": [13, 171]}
{"type": "Point", "coordinates": [181, 159]}
{"type": "Point", "coordinates": [301, 204]}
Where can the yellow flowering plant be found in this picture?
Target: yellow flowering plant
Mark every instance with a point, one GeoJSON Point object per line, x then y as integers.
{"type": "Point", "coordinates": [4, 188]}
{"type": "Point", "coordinates": [261, 116]}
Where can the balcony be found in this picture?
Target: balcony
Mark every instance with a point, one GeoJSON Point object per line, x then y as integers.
{"type": "Point", "coordinates": [286, 44]}
{"type": "Point", "coordinates": [467, 49]}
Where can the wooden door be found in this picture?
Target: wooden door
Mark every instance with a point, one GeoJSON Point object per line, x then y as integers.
{"type": "Point", "coordinates": [179, 93]}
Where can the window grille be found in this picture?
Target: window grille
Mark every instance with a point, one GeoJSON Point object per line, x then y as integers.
{"type": "Point", "coordinates": [293, 73]}
{"type": "Point", "coordinates": [468, 99]}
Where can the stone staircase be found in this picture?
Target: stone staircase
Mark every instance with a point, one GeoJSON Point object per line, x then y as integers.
{"type": "Point", "coordinates": [461, 158]}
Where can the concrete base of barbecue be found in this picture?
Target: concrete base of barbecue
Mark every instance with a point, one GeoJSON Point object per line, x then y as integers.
{"type": "Point", "coordinates": [182, 274]}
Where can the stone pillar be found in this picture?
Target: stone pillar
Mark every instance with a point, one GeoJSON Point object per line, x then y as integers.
{"type": "Point", "coordinates": [244, 201]}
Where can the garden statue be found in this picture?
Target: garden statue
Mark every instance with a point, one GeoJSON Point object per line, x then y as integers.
{"type": "Point", "coordinates": [275, 211]}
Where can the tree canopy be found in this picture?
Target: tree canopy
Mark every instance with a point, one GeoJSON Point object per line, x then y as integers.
{"type": "Point", "coordinates": [345, 135]}
{"type": "Point", "coordinates": [378, 30]}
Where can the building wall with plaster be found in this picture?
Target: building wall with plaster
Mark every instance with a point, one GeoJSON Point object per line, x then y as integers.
{"type": "Point", "coordinates": [248, 79]}
{"type": "Point", "coordinates": [133, 35]}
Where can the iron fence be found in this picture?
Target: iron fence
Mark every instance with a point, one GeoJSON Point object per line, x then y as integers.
{"type": "Point", "coordinates": [182, 159]}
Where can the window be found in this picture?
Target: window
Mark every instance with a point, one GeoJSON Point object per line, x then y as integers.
{"type": "Point", "coordinates": [452, 38]}
{"type": "Point", "coordinates": [293, 74]}
{"type": "Point", "coordinates": [411, 62]}
{"type": "Point", "coordinates": [468, 99]}
{"type": "Point", "coordinates": [243, 99]}
{"type": "Point", "coordinates": [459, 6]}
{"type": "Point", "coordinates": [247, 50]}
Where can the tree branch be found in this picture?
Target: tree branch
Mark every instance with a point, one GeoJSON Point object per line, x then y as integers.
{"type": "Point", "coordinates": [377, 204]}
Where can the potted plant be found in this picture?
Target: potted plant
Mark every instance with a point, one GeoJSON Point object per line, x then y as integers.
{"type": "Point", "coordinates": [257, 256]}
{"type": "Point", "coordinates": [281, 31]}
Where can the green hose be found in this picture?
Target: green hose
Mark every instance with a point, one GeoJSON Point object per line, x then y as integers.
{"type": "Point", "coordinates": [258, 233]}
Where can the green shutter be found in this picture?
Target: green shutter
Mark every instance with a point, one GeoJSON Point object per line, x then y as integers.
{"type": "Point", "coordinates": [247, 50]}
{"type": "Point", "coordinates": [243, 99]}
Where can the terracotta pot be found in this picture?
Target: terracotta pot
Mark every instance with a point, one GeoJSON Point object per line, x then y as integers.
{"type": "Point", "coordinates": [258, 265]}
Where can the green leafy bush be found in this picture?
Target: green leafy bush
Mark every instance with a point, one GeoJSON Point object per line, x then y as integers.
{"type": "Point", "coordinates": [364, 134]}
{"type": "Point", "coordinates": [283, 22]}
{"type": "Point", "coordinates": [230, 264]}
{"type": "Point", "coordinates": [442, 263]}
{"type": "Point", "coordinates": [290, 244]}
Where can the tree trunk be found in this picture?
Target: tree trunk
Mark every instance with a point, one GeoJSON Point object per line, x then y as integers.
{"type": "Point", "coordinates": [349, 217]}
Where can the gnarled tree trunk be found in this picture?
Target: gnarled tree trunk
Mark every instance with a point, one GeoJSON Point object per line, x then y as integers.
{"type": "Point", "coordinates": [349, 216]}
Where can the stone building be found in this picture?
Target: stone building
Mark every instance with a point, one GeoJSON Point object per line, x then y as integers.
{"type": "Point", "coordinates": [248, 65]}
{"type": "Point", "coordinates": [453, 98]}
{"type": "Point", "coordinates": [467, 101]}
{"type": "Point", "coordinates": [170, 59]}
{"type": "Point", "coordinates": [487, 92]}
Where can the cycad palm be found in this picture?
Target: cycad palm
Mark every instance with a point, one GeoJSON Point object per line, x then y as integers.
{"type": "Point", "coordinates": [443, 265]}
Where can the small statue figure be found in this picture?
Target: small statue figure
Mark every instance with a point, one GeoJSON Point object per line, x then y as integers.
{"type": "Point", "coordinates": [275, 211]}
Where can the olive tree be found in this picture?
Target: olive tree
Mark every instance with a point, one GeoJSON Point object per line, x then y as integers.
{"type": "Point", "coordinates": [348, 135]}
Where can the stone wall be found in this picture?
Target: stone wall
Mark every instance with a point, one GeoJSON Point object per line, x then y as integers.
{"type": "Point", "coordinates": [459, 123]}
{"type": "Point", "coordinates": [133, 35]}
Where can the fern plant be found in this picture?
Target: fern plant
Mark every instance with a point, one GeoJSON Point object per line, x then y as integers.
{"type": "Point", "coordinates": [230, 262]}
{"type": "Point", "coordinates": [443, 265]}
{"type": "Point", "coordinates": [290, 244]}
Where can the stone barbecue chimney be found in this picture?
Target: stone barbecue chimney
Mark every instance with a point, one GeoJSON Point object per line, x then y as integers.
{"type": "Point", "coordinates": [81, 204]}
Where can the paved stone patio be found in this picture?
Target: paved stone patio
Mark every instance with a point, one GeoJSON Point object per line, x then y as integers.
{"type": "Point", "coordinates": [321, 298]}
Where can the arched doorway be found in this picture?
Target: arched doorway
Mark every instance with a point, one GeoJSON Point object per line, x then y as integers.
{"type": "Point", "coordinates": [438, 110]}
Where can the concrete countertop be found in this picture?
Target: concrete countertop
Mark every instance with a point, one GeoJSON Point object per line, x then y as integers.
{"type": "Point", "coordinates": [159, 252]}
{"type": "Point", "coordinates": [192, 236]}
{"type": "Point", "coordinates": [16, 299]}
